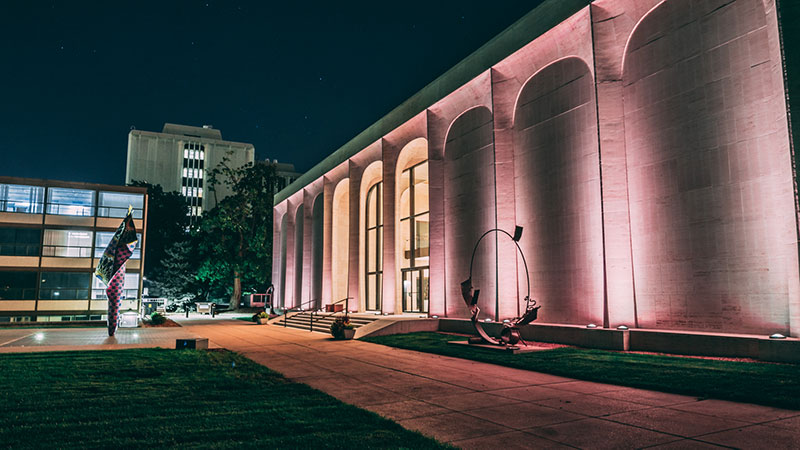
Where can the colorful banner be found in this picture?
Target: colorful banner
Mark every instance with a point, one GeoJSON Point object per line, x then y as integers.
{"type": "Point", "coordinates": [111, 268]}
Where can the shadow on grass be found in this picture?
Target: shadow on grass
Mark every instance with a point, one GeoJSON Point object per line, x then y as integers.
{"type": "Point", "coordinates": [165, 398]}
{"type": "Point", "coordinates": [762, 383]}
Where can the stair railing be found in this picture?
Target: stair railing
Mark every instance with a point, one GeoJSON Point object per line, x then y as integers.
{"type": "Point", "coordinates": [299, 308]}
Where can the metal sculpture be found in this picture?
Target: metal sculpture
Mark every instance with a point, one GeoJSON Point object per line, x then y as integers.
{"type": "Point", "coordinates": [510, 334]}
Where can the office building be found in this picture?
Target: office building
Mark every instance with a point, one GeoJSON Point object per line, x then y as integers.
{"type": "Point", "coordinates": [52, 235]}
{"type": "Point", "coordinates": [179, 158]}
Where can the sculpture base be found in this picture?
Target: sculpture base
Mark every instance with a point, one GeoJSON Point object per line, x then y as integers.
{"type": "Point", "coordinates": [513, 349]}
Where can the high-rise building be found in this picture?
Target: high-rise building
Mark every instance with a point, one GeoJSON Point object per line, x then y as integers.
{"type": "Point", "coordinates": [178, 159]}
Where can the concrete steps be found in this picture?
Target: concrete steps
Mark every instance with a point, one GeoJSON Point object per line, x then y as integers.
{"type": "Point", "coordinates": [321, 321]}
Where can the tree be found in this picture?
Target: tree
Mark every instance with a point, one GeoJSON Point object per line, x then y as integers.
{"type": "Point", "coordinates": [166, 224]}
{"type": "Point", "coordinates": [177, 278]}
{"type": "Point", "coordinates": [236, 236]}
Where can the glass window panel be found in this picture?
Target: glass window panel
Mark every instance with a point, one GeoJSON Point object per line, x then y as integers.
{"type": "Point", "coordinates": [379, 249]}
{"type": "Point", "coordinates": [102, 238]}
{"type": "Point", "coordinates": [372, 243]}
{"type": "Point", "coordinates": [371, 299]}
{"type": "Point", "coordinates": [17, 285]}
{"type": "Point", "coordinates": [21, 199]}
{"type": "Point", "coordinates": [421, 239]}
{"type": "Point", "coordinates": [67, 243]}
{"type": "Point", "coordinates": [405, 199]}
{"type": "Point", "coordinates": [405, 241]}
{"type": "Point", "coordinates": [20, 241]}
{"type": "Point", "coordinates": [421, 188]}
{"type": "Point", "coordinates": [115, 204]}
{"type": "Point", "coordinates": [372, 207]}
{"type": "Point", "coordinates": [70, 202]}
{"type": "Point", "coordinates": [64, 285]}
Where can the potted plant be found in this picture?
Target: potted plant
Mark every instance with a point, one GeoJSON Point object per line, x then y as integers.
{"type": "Point", "coordinates": [341, 328]}
{"type": "Point", "coordinates": [261, 318]}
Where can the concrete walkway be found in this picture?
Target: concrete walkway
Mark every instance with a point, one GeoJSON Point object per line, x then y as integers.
{"type": "Point", "coordinates": [477, 405]}
{"type": "Point", "coordinates": [466, 403]}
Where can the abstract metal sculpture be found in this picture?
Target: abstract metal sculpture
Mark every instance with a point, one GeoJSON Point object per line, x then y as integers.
{"type": "Point", "coordinates": [509, 335]}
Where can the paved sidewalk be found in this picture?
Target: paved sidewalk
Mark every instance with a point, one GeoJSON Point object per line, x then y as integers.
{"type": "Point", "coordinates": [477, 405]}
{"type": "Point", "coordinates": [56, 339]}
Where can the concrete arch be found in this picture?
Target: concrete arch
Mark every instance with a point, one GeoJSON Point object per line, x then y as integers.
{"type": "Point", "coordinates": [298, 255]}
{"type": "Point", "coordinates": [340, 252]}
{"type": "Point", "coordinates": [372, 175]}
{"type": "Point", "coordinates": [282, 270]}
{"type": "Point", "coordinates": [557, 186]}
{"type": "Point", "coordinates": [469, 208]}
{"type": "Point", "coordinates": [317, 239]}
{"type": "Point", "coordinates": [706, 170]}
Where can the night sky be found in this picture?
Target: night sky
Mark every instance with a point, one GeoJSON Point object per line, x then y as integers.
{"type": "Point", "coordinates": [296, 79]}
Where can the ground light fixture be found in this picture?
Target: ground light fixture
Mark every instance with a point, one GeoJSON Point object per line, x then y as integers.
{"type": "Point", "coordinates": [777, 336]}
{"type": "Point", "coordinates": [591, 325]}
{"type": "Point", "coordinates": [435, 316]}
{"type": "Point", "coordinates": [622, 327]}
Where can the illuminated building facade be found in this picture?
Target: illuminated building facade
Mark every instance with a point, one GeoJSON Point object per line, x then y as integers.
{"type": "Point", "coordinates": [643, 145]}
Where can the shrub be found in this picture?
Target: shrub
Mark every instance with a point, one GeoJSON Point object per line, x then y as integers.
{"type": "Point", "coordinates": [261, 315]}
{"type": "Point", "coordinates": [157, 318]}
{"type": "Point", "coordinates": [339, 325]}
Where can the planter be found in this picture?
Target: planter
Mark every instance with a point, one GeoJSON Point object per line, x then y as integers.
{"type": "Point", "coordinates": [262, 320]}
{"type": "Point", "coordinates": [334, 308]}
{"type": "Point", "coordinates": [348, 333]}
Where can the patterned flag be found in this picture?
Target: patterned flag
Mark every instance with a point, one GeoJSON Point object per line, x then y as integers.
{"type": "Point", "coordinates": [111, 268]}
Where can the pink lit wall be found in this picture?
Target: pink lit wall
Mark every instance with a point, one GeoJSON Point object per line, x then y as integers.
{"type": "Point", "coordinates": [711, 204]}
{"type": "Point", "coordinates": [642, 144]}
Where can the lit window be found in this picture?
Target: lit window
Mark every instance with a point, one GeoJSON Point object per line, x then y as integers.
{"type": "Point", "coordinates": [115, 204]}
{"type": "Point", "coordinates": [185, 153]}
{"type": "Point", "coordinates": [22, 199]}
{"type": "Point", "coordinates": [70, 202]}
{"type": "Point", "coordinates": [67, 243]}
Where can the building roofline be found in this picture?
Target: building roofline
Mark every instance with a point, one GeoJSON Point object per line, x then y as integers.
{"type": "Point", "coordinates": [192, 138]}
{"type": "Point", "coordinates": [532, 25]}
{"type": "Point", "coordinates": [72, 184]}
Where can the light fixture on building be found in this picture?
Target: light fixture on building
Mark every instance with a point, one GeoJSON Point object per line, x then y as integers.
{"type": "Point", "coordinates": [506, 321]}
{"type": "Point", "coordinates": [777, 336]}
{"type": "Point", "coordinates": [434, 316]}
{"type": "Point", "coordinates": [622, 327]}
{"type": "Point", "coordinates": [487, 320]}
{"type": "Point", "coordinates": [591, 325]}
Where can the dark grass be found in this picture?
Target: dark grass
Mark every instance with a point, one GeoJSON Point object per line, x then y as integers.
{"type": "Point", "coordinates": [762, 383]}
{"type": "Point", "coordinates": [147, 398]}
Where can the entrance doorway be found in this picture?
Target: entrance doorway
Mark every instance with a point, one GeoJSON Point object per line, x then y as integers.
{"type": "Point", "coordinates": [416, 289]}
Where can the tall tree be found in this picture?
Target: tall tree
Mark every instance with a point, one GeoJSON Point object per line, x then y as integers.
{"type": "Point", "coordinates": [237, 234]}
{"type": "Point", "coordinates": [167, 223]}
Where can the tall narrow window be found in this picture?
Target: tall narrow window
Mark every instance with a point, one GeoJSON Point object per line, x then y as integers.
{"type": "Point", "coordinates": [414, 226]}
{"type": "Point", "coordinates": [374, 247]}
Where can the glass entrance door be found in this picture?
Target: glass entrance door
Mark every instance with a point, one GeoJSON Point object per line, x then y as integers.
{"type": "Point", "coordinates": [416, 287]}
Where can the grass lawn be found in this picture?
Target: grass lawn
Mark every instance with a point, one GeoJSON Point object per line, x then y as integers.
{"type": "Point", "coordinates": [166, 398]}
{"type": "Point", "coordinates": [763, 383]}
